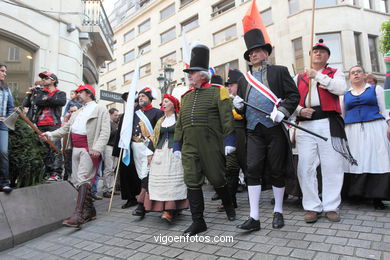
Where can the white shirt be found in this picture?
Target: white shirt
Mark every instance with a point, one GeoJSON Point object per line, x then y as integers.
{"type": "Point", "coordinates": [169, 121]}
{"type": "Point", "coordinates": [380, 97]}
{"type": "Point", "coordinates": [336, 85]}
{"type": "Point", "coordinates": [79, 125]}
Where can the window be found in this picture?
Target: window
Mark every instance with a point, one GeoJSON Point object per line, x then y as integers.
{"type": "Point", "coordinates": [111, 85]}
{"type": "Point", "coordinates": [333, 41]}
{"type": "Point", "coordinates": [144, 26]}
{"type": "Point", "coordinates": [293, 6]}
{"type": "Point", "coordinates": [13, 54]}
{"type": "Point", "coordinates": [323, 3]}
{"type": "Point", "coordinates": [358, 49]}
{"type": "Point", "coordinates": [144, 47]}
{"type": "Point", "coordinates": [266, 16]}
{"type": "Point", "coordinates": [373, 53]}
{"type": "Point", "coordinates": [128, 56]}
{"type": "Point", "coordinates": [143, 2]}
{"type": "Point", "coordinates": [168, 35]}
{"type": "Point", "coordinates": [298, 55]}
{"type": "Point", "coordinates": [367, 4]}
{"type": "Point", "coordinates": [168, 59]}
{"type": "Point", "coordinates": [169, 11]}
{"type": "Point", "coordinates": [184, 2]}
{"type": "Point", "coordinates": [14, 86]}
{"type": "Point", "coordinates": [129, 35]}
{"type": "Point", "coordinates": [383, 6]}
{"type": "Point", "coordinates": [223, 69]}
{"type": "Point", "coordinates": [190, 23]}
{"type": "Point", "coordinates": [225, 35]}
{"type": "Point", "coordinates": [128, 77]}
{"type": "Point", "coordinates": [222, 6]}
{"type": "Point", "coordinates": [145, 70]}
{"type": "Point", "coordinates": [351, 2]}
{"type": "Point", "coordinates": [111, 65]}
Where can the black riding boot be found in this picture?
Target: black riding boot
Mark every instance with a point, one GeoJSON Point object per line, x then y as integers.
{"type": "Point", "coordinates": [227, 202]}
{"type": "Point", "coordinates": [195, 197]}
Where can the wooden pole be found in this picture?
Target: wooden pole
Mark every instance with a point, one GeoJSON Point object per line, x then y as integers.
{"type": "Point", "coordinates": [311, 47]}
{"type": "Point", "coordinates": [24, 117]}
{"type": "Point", "coordinates": [116, 176]}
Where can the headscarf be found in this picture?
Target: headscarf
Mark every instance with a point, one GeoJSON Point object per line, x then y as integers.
{"type": "Point", "coordinates": [175, 102]}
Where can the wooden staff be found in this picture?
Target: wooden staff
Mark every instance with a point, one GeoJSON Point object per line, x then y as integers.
{"type": "Point", "coordinates": [116, 176]}
{"type": "Point", "coordinates": [311, 48]}
{"type": "Point", "coordinates": [24, 117]}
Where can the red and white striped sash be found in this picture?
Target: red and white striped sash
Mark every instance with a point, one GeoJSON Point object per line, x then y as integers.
{"type": "Point", "coordinates": [262, 88]}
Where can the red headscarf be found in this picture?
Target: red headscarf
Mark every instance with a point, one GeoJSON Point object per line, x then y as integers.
{"type": "Point", "coordinates": [175, 101]}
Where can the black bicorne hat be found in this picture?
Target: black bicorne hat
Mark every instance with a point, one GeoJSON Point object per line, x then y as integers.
{"type": "Point", "coordinates": [255, 39]}
{"type": "Point", "coordinates": [233, 76]}
{"type": "Point", "coordinates": [200, 56]}
{"type": "Point", "coordinates": [216, 80]}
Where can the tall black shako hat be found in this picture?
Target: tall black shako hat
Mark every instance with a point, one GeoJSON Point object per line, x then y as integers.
{"type": "Point", "coordinates": [321, 45]}
{"type": "Point", "coordinates": [233, 76]}
{"type": "Point", "coordinates": [200, 56]}
{"type": "Point", "coordinates": [255, 39]}
{"type": "Point", "coordinates": [216, 80]}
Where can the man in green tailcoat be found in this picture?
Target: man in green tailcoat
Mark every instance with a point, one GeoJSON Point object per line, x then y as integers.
{"type": "Point", "coordinates": [204, 135]}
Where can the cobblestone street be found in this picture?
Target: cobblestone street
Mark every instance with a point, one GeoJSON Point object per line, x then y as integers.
{"type": "Point", "coordinates": [363, 233]}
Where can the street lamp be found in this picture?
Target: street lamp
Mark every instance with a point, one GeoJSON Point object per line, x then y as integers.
{"type": "Point", "coordinates": [164, 80]}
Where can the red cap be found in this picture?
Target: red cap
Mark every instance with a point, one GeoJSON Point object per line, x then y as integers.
{"type": "Point", "coordinates": [48, 74]}
{"type": "Point", "coordinates": [84, 87]}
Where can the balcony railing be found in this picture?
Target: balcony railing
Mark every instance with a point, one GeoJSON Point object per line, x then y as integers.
{"type": "Point", "coordinates": [96, 16]}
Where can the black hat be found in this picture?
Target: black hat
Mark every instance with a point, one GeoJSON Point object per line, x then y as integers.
{"type": "Point", "coordinates": [233, 76]}
{"type": "Point", "coordinates": [148, 92]}
{"type": "Point", "coordinates": [124, 96]}
{"type": "Point", "coordinates": [200, 56]}
{"type": "Point", "coordinates": [255, 39]}
{"type": "Point", "coordinates": [321, 45]}
{"type": "Point", "coordinates": [216, 80]}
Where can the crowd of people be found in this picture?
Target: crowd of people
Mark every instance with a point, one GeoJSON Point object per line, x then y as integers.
{"type": "Point", "coordinates": [217, 130]}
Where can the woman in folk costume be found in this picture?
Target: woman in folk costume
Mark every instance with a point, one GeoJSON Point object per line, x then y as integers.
{"type": "Point", "coordinates": [166, 189]}
{"type": "Point", "coordinates": [367, 125]}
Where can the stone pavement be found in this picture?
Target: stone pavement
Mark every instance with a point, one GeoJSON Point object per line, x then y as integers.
{"type": "Point", "coordinates": [363, 233]}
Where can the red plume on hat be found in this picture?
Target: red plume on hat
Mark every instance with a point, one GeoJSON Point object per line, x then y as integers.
{"type": "Point", "coordinates": [252, 20]}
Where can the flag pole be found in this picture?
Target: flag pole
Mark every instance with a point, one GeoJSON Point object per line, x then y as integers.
{"type": "Point", "coordinates": [311, 47]}
{"type": "Point", "coordinates": [116, 177]}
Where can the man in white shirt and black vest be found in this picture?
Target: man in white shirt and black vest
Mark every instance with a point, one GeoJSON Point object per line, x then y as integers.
{"type": "Point", "coordinates": [269, 156]}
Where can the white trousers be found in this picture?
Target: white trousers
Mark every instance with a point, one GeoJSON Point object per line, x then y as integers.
{"type": "Point", "coordinates": [313, 151]}
{"type": "Point", "coordinates": [140, 155]}
{"type": "Point", "coordinates": [83, 170]}
{"type": "Point", "coordinates": [109, 169]}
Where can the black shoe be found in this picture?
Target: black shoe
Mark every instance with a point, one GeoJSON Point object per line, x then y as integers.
{"type": "Point", "coordinates": [250, 225]}
{"type": "Point", "coordinates": [195, 228]}
{"type": "Point", "coordinates": [378, 204]}
{"type": "Point", "coordinates": [107, 194]}
{"type": "Point", "coordinates": [278, 221]}
{"type": "Point", "coordinates": [6, 189]}
{"type": "Point", "coordinates": [129, 204]}
{"type": "Point", "coordinates": [139, 211]}
{"type": "Point", "coordinates": [215, 197]}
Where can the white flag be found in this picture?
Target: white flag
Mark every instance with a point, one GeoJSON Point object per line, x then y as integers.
{"type": "Point", "coordinates": [186, 55]}
{"type": "Point", "coordinates": [127, 125]}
